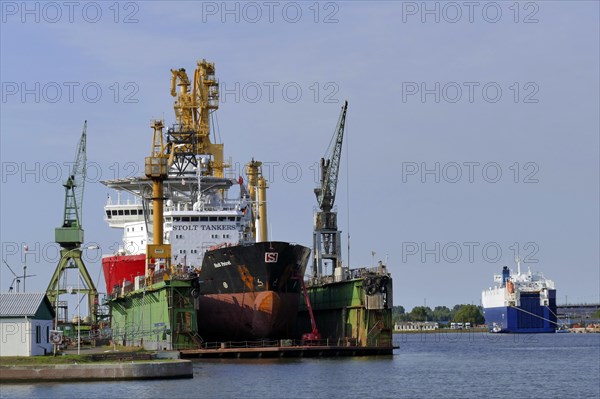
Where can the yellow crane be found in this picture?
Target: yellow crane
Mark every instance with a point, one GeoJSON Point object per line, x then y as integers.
{"type": "Point", "coordinates": [177, 157]}
{"type": "Point", "coordinates": [192, 110]}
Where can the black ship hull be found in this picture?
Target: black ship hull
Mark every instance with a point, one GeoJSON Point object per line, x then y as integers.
{"type": "Point", "coordinates": [249, 292]}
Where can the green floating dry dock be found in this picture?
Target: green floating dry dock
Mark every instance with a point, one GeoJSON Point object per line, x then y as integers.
{"type": "Point", "coordinates": [266, 350]}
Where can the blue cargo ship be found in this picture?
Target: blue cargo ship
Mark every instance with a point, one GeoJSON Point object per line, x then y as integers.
{"type": "Point", "coordinates": [520, 303]}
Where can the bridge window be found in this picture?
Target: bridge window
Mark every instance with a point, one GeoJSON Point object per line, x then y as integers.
{"type": "Point", "coordinates": [222, 218]}
{"type": "Point", "coordinates": [212, 219]}
{"type": "Point", "coordinates": [176, 219]}
{"type": "Point", "coordinates": [185, 219]}
{"type": "Point", "coordinates": [108, 214]}
{"type": "Point", "coordinates": [203, 219]}
{"type": "Point", "coordinates": [194, 218]}
{"type": "Point", "coordinates": [126, 212]}
{"type": "Point", "coordinates": [231, 218]}
{"type": "Point", "coordinates": [120, 212]}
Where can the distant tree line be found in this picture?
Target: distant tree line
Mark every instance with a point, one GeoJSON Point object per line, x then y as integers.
{"type": "Point", "coordinates": [459, 314]}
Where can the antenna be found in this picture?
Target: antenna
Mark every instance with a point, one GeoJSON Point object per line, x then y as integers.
{"type": "Point", "coordinates": [17, 278]}
{"type": "Point", "coordinates": [518, 261]}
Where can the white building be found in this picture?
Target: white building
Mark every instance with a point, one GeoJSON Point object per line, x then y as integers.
{"type": "Point", "coordinates": [25, 323]}
{"type": "Point", "coordinates": [416, 326]}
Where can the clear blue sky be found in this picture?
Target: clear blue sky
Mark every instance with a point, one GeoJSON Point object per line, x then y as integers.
{"type": "Point", "coordinates": [470, 128]}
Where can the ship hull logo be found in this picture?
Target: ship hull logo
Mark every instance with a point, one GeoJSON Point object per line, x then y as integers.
{"type": "Point", "coordinates": [271, 257]}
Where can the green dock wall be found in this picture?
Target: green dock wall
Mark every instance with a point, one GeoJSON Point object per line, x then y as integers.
{"type": "Point", "coordinates": [344, 313]}
{"type": "Point", "coordinates": [160, 317]}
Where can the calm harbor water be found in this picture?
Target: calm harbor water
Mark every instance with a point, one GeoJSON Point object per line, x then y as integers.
{"type": "Point", "coordinates": [468, 365]}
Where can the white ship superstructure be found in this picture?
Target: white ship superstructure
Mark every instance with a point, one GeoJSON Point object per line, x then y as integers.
{"type": "Point", "coordinates": [191, 228]}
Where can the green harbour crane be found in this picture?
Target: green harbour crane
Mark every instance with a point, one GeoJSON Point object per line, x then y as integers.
{"type": "Point", "coordinates": [326, 236]}
{"type": "Point", "coordinates": [70, 238]}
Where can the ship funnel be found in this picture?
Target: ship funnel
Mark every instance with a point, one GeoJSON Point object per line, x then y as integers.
{"type": "Point", "coordinates": [505, 275]}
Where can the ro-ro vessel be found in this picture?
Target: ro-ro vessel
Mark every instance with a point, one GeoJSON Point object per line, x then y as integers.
{"type": "Point", "coordinates": [520, 303]}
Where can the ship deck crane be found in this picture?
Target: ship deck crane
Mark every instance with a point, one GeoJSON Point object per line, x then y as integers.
{"type": "Point", "coordinates": [188, 149]}
{"type": "Point", "coordinates": [326, 236]}
{"type": "Point", "coordinates": [70, 236]}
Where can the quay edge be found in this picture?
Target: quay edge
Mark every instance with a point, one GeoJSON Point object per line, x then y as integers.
{"type": "Point", "coordinates": [170, 369]}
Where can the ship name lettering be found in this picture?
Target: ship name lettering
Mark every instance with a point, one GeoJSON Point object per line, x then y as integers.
{"type": "Point", "coordinates": [221, 264]}
{"type": "Point", "coordinates": [218, 227]}
{"type": "Point", "coordinates": [185, 227]}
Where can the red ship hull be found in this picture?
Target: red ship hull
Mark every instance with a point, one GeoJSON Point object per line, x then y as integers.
{"type": "Point", "coordinates": [119, 268]}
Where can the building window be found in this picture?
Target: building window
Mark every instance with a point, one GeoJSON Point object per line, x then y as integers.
{"type": "Point", "coordinates": [38, 334]}
{"type": "Point", "coordinates": [47, 334]}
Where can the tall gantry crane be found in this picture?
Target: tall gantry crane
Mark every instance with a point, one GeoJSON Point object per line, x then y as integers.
{"type": "Point", "coordinates": [326, 236]}
{"type": "Point", "coordinates": [70, 237]}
